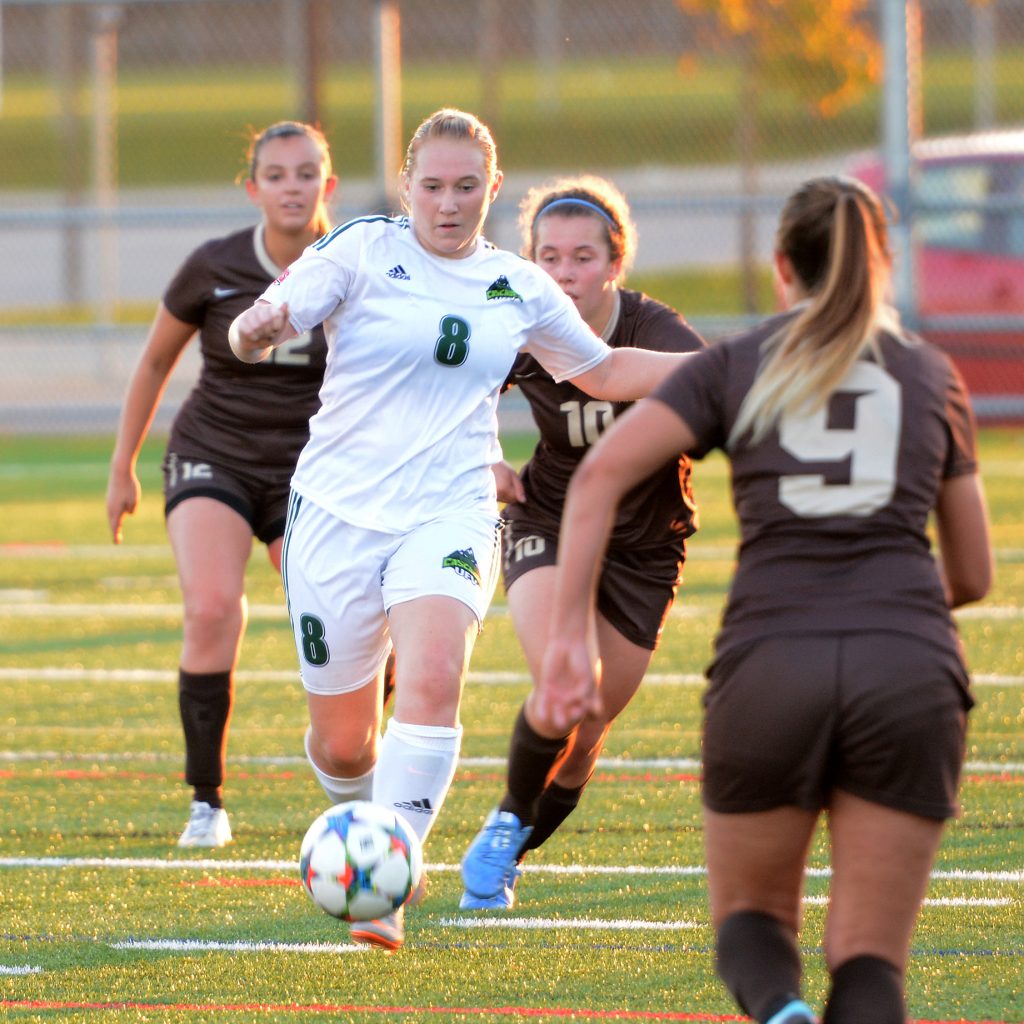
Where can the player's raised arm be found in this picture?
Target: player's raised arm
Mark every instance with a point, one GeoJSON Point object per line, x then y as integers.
{"type": "Point", "coordinates": [259, 329]}
{"type": "Point", "coordinates": [629, 373]}
{"type": "Point", "coordinates": [636, 445]}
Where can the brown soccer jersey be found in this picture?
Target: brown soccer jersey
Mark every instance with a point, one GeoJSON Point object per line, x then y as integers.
{"type": "Point", "coordinates": [241, 413]}
{"type": "Point", "coordinates": [659, 513]}
{"type": "Point", "coordinates": [833, 508]}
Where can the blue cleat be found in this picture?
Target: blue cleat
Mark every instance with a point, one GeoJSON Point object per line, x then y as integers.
{"type": "Point", "coordinates": [489, 865]}
{"type": "Point", "coordinates": [505, 900]}
{"type": "Point", "coordinates": [795, 1012]}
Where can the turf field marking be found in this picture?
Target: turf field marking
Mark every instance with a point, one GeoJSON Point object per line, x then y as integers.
{"type": "Point", "coordinates": [995, 770]}
{"type": "Point", "coordinates": [334, 1009]}
{"type": "Point", "coordinates": [53, 674]}
{"type": "Point", "coordinates": [945, 901]}
{"type": "Point", "coordinates": [210, 863]}
{"type": "Point", "coordinates": [294, 883]}
{"type": "Point", "coordinates": [81, 609]}
{"type": "Point", "coordinates": [204, 945]}
{"type": "Point", "coordinates": [58, 549]}
{"type": "Point", "coordinates": [19, 969]}
{"type": "Point", "coordinates": [278, 612]}
{"type": "Point", "coordinates": [548, 923]}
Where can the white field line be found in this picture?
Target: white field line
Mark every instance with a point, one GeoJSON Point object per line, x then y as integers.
{"type": "Point", "coordinates": [19, 969]}
{"type": "Point", "coordinates": [202, 946]}
{"type": "Point", "coordinates": [696, 550]}
{"type": "Point", "coordinates": [560, 922]}
{"type": "Point", "coordinates": [514, 923]}
{"type": "Point", "coordinates": [16, 607]}
{"type": "Point", "coordinates": [603, 764]}
{"type": "Point", "coordinates": [53, 674]}
{"type": "Point", "coordinates": [211, 864]}
{"type": "Point", "coordinates": [991, 469]}
{"type": "Point", "coordinates": [946, 901]}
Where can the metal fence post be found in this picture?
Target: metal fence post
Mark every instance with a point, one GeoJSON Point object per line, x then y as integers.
{"type": "Point", "coordinates": [901, 41]}
{"type": "Point", "coordinates": [104, 74]}
{"type": "Point", "coordinates": [388, 112]}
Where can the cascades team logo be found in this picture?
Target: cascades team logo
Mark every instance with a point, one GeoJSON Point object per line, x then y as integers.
{"type": "Point", "coordinates": [501, 289]}
{"type": "Point", "coordinates": [464, 563]}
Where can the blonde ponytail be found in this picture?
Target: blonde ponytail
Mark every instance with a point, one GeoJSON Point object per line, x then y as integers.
{"type": "Point", "coordinates": [833, 232]}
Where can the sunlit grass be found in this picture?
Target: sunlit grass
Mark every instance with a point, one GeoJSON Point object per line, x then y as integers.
{"type": "Point", "coordinates": [91, 768]}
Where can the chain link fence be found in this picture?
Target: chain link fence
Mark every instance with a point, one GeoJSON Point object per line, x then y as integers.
{"type": "Point", "coordinates": [123, 127]}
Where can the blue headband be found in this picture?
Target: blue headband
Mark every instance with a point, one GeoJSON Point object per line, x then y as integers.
{"type": "Point", "coordinates": [573, 201]}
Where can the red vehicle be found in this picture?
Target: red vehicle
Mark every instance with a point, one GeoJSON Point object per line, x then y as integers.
{"type": "Point", "coordinates": [968, 225]}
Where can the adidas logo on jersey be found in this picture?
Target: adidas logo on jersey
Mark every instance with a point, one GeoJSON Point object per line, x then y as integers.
{"type": "Point", "coordinates": [501, 289]}
{"type": "Point", "coordinates": [423, 806]}
{"type": "Point", "coordinates": [398, 273]}
{"type": "Point", "coordinates": [464, 563]}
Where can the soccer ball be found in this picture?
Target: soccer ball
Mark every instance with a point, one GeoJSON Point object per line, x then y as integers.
{"type": "Point", "coordinates": [360, 861]}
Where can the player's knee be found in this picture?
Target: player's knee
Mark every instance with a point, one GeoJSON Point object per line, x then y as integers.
{"type": "Point", "coordinates": [344, 753]}
{"type": "Point", "coordinates": [865, 988]}
{"type": "Point", "coordinates": [212, 614]}
{"type": "Point", "coordinates": [430, 695]}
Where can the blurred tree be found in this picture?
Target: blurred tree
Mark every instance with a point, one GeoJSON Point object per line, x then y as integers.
{"type": "Point", "coordinates": [824, 52]}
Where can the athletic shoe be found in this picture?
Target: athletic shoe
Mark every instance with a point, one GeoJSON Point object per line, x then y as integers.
{"type": "Point", "coordinates": [386, 932]}
{"type": "Point", "coordinates": [207, 826]}
{"type": "Point", "coordinates": [794, 1012]}
{"type": "Point", "coordinates": [489, 864]}
{"type": "Point", "coordinates": [505, 900]}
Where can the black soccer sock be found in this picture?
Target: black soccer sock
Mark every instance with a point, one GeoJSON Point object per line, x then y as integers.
{"type": "Point", "coordinates": [866, 988]}
{"type": "Point", "coordinates": [531, 759]}
{"type": "Point", "coordinates": [205, 699]}
{"type": "Point", "coordinates": [555, 805]}
{"type": "Point", "coordinates": [757, 958]}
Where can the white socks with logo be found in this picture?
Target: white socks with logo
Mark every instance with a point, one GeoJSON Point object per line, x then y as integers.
{"type": "Point", "coordinates": [415, 769]}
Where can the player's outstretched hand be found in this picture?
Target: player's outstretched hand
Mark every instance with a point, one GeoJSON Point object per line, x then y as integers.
{"type": "Point", "coordinates": [568, 688]}
{"type": "Point", "coordinates": [123, 493]}
{"type": "Point", "coordinates": [508, 483]}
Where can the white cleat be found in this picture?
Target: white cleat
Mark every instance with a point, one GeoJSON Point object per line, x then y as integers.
{"type": "Point", "coordinates": [207, 827]}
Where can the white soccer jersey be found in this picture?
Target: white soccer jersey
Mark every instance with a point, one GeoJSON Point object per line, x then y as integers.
{"type": "Point", "coordinates": [419, 347]}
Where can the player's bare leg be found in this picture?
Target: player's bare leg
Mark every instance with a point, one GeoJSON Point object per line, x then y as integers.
{"type": "Point", "coordinates": [211, 544]}
{"type": "Point", "coordinates": [881, 862]}
{"type": "Point", "coordinates": [755, 884]}
{"type": "Point", "coordinates": [433, 638]}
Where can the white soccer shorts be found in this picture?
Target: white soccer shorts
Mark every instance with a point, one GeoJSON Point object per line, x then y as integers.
{"type": "Point", "coordinates": [340, 580]}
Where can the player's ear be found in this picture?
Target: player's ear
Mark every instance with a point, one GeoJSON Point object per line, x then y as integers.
{"type": "Point", "coordinates": [783, 268]}
{"type": "Point", "coordinates": [329, 186]}
{"type": "Point", "coordinates": [499, 177]}
{"type": "Point", "coordinates": [252, 190]}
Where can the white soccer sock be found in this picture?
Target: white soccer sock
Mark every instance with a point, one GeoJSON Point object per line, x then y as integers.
{"type": "Point", "coordinates": [338, 790]}
{"type": "Point", "coordinates": [415, 770]}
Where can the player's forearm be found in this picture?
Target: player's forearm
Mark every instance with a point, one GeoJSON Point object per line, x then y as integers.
{"type": "Point", "coordinates": [140, 404]}
{"type": "Point", "coordinates": [630, 373]}
{"type": "Point", "coordinates": [586, 526]}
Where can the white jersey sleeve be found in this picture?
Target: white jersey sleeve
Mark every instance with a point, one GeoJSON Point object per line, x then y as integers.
{"type": "Point", "coordinates": [320, 279]}
{"type": "Point", "coordinates": [562, 341]}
